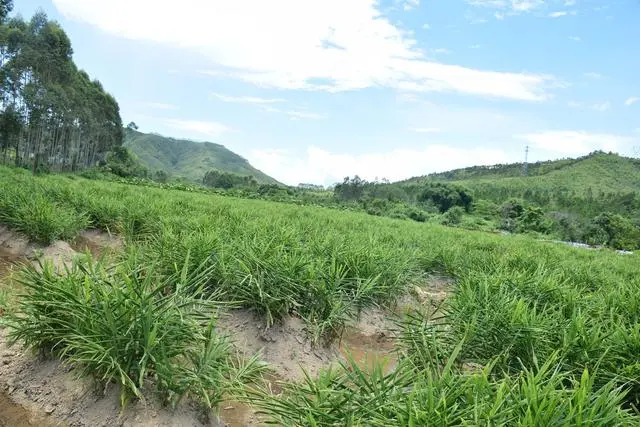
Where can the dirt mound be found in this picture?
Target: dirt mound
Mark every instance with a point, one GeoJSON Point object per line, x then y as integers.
{"type": "Point", "coordinates": [98, 243]}
{"type": "Point", "coordinates": [285, 346]}
{"type": "Point", "coordinates": [15, 248]}
{"type": "Point", "coordinates": [48, 393]}
{"type": "Point", "coordinates": [13, 245]}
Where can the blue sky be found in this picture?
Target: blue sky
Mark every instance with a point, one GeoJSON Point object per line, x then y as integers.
{"type": "Point", "coordinates": [314, 90]}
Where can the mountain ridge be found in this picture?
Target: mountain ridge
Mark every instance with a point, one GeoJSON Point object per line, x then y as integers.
{"type": "Point", "coordinates": [598, 171]}
{"type": "Point", "coordinates": [188, 159]}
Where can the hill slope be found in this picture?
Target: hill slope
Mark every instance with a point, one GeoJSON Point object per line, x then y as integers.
{"type": "Point", "coordinates": [188, 159]}
{"type": "Point", "coordinates": [598, 171]}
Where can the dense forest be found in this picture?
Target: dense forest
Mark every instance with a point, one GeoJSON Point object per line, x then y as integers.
{"type": "Point", "coordinates": [53, 116]}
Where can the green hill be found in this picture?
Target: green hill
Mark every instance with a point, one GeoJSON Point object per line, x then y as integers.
{"type": "Point", "coordinates": [188, 159]}
{"type": "Point", "coordinates": [595, 173]}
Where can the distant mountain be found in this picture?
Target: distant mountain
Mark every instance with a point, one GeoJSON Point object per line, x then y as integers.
{"type": "Point", "coordinates": [595, 173]}
{"type": "Point", "coordinates": [188, 159]}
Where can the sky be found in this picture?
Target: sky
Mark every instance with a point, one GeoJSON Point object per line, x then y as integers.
{"type": "Point", "coordinates": [311, 91]}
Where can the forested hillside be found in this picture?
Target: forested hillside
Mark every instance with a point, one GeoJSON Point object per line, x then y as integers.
{"type": "Point", "coordinates": [598, 171]}
{"type": "Point", "coordinates": [585, 186]}
{"type": "Point", "coordinates": [53, 116]}
{"type": "Point", "coordinates": [188, 159]}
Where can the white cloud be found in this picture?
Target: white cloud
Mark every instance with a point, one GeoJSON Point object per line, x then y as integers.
{"type": "Point", "coordinates": [440, 50]}
{"type": "Point", "coordinates": [575, 38]}
{"type": "Point", "coordinates": [410, 4]}
{"type": "Point", "coordinates": [247, 99]}
{"type": "Point", "coordinates": [160, 106]}
{"type": "Point", "coordinates": [577, 142]}
{"type": "Point", "coordinates": [516, 6]}
{"type": "Point", "coordinates": [320, 166]}
{"type": "Point", "coordinates": [476, 21]}
{"type": "Point", "coordinates": [526, 5]}
{"type": "Point", "coordinates": [563, 13]}
{"type": "Point", "coordinates": [426, 26]}
{"type": "Point", "coordinates": [602, 106]}
{"type": "Point", "coordinates": [593, 75]}
{"type": "Point", "coordinates": [499, 16]}
{"type": "Point", "coordinates": [266, 104]}
{"type": "Point", "coordinates": [475, 46]}
{"type": "Point", "coordinates": [570, 2]}
{"type": "Point", "coordinates": [331, 45]}
{"type": "Point", "coordinates": [501, 4]}
{"type": "Point", "coordinates": [203, 128]}
{"type": "Point", "coordinates": [425, 130]}
{"type": "Point", "coordinates": [297, 114]}
{"type": "Point", "coordinates": [631, 101]}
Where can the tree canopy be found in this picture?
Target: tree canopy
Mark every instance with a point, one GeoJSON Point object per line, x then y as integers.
{"type": "Point", "coordinates": [52, 115]}
{"type": "Point", "coordinates": [219, 179]}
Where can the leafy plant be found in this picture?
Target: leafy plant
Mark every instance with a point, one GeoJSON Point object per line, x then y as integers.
{"type": "Point", "coordinates": [126, 324]}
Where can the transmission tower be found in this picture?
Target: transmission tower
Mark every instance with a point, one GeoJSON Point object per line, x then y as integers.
{"type": "Point", "coordinates": [525, 166]}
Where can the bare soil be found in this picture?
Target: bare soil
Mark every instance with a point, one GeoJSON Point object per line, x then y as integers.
{"type": "Point", "coordinates": [98, 243]}
{"type": "Point", "coordinates": [42, 392]}
{"type": "Point", "coordinates": [45, 393]}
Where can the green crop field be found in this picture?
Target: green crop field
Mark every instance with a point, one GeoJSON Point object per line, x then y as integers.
{"type": "Point", "coordinates": [531, 333]}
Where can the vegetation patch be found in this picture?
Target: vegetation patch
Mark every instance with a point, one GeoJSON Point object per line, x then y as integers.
{"type": "Point", "coordinates": [125, 326]}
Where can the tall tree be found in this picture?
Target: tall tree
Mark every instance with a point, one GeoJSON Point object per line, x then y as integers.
{"type": "Point", "coordinates": [6, 6]}
{"type": "Point", "coordinates": [52, 115]}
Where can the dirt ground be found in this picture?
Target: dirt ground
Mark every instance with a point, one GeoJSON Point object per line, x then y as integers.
{"type": "Point", "coordinates": [37, 392]}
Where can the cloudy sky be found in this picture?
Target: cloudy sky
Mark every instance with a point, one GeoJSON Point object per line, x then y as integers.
{"type": "Point", "coordinates": [314, 90]}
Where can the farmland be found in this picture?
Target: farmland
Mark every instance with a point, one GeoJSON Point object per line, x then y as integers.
{"type": "Point", "coordinates": [530, 333]}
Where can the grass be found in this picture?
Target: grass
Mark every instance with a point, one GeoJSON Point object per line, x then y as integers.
{"type": "Point", "coordinates": [124, 324]}
{"type": "Point", "coordinates": [446, 395]}
{"type": "Point", "coordinates": [555, 329]}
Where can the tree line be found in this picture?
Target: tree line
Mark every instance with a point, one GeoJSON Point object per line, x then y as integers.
{"type": "Point", "coordinates": [53, 116]}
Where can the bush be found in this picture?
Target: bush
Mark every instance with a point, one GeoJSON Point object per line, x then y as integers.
{"type": "Point", "coordinates": [566, 227]}
{"type": "Point", "coordinates": [161, 176]}
{"type": "Point", "coordinates": [533, 218]}
{"type": "Point", "coordinates": [417, 215]}
{"type": "Point", "coordinates": [486, 209]}
{"type": "Point", "coordinates": [453, 216]}
{"type": "Point", "coordinates": [219, 179]}
{"type": "Point", "coordinates": [126, 326]}
{"type": "Point", "coordinates": [446, 196]}
{"type": "Point", "coordinates": [613, 230]}
{"type": "Point", "coordinates": [125, 164]}
{"type": "Point", "coordinates": [512, 209]}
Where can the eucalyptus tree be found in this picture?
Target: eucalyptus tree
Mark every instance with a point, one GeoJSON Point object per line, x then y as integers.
{"type": "Point", "coordinates": [52, 114]}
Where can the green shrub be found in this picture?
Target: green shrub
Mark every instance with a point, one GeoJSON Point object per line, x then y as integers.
{"type": "Point", "coordinates": [486, 209]}
{"type": "Point", "coordinates": [533, 218]}
{"type": "Point", "coordinates": [453, 216]}
{"type": "Point", "coordinates": [613, 230]}
{"type": "Point", "coordinates": [566, 226]}
{"type": "Point", "coordinates": [445, 196]}
{"type": "Point", "coordinates": [124, 325]}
